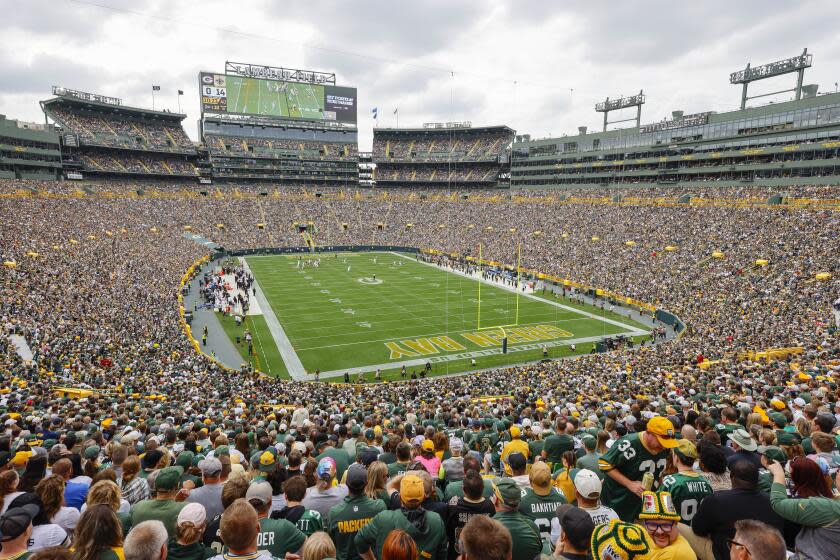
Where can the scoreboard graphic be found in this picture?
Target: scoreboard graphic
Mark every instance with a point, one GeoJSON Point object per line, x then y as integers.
{"type": "Point", "coordinates": [225, 93]}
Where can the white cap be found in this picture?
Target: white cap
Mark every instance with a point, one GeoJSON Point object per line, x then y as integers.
{"type": "Point", "coordinates": [526, 423]}
{"type": "Point", "coordinates": [299, 446]}
{"type": "Point", "coordinates": [587, 484]}
{"type": "Point", "coordinates": [193, 513]}
{"type": "Point", "coordinates": [799, 401]}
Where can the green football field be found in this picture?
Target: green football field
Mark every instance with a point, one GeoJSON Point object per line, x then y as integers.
{"type": "Point", "coordinates": [274, 98]}
{"type": "Point", "coordinates": [359, 312]}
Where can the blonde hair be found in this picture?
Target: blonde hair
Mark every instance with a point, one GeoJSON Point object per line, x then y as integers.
{"type": "Point", "coordinates": [377, 474]}
{"type": "Point", "coordinates": [188, 532]}
{"type": "Point", "coordinates": [104, 492]}
{"type": "Point", "coordinates": [318, 546]}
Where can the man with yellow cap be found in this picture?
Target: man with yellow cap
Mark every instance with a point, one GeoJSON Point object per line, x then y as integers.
{"type": "Point", "coordinates": [515, 445]}
{"type": "Point", "coordinates": [539, 501]}
{"type": "Point", "coordinates": [627, 462]}
{"type": "Point", "coordinates": [425, 527]}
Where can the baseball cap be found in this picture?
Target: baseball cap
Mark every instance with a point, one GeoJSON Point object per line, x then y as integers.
{"type": "Point", "coordinates": [267, 461]}
{"type": "Point", "coordinates": [368, 456]}
{"type": "Point", "coordinates": [356, 477]}
{"type": "Point", "coordinates": [540, 478]}
{"type": "Point", "coordinates": [168, 478]}
{"type": "Point", "coordinates": [16, 520]}
{"type": "Point", "coordinates": [686, 450]}
{"type": "Point", "coordinates": [411, 488]}
{"type": "Point", "coordinates": [587, 484]}
{"type": "Point", "coordinates": [151, 458]}
{"type": "Point", "coordinates": [663, 429]}
{"type": "Point", "coordinates": [184, 459]}
{"type": "Point", "coordinates": [210, 466]}
{"type": "Point", "coordinates": [260, 491]}
{"type": "Point", "coordinates": [576, 524]}
{"type": "Point", "coordinates": [515, 432]}
{"type": "Point", "coordinates": [92, 452]}
{"type": "Point", "coordinates": [743, 439]}
{"type": "Point", "coordinates": [773, 453]}
{"type": "Point", "coordinates": [517, 461]}
{"type": "Point", "coordinates": [193, 513]}
{"type": "Point", "coordinates": [658, 505]}
{"type": "Point", "coordinates": [427, 445]}
{"type": "Point", "coordinates": [326, 468]}
{"type": "Point", "coordinates": [507, 491]}
{"type": "Point", "coordinates": [455, 444]}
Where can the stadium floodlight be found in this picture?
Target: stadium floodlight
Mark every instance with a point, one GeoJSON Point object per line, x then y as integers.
{"type": "Point", "coordinates": [278, 73]}
{"type": "Point", "coordinates": [749, 74]}
{"type": "Point", "coordinates": [623, 102]}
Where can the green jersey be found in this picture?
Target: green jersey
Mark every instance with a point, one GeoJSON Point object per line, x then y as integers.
{"type": "Point", "coordinates": [310, 522]}
{"type": "Point", "coordinates": [633, 460]}
{"type": "Point", "coordinates": [540, 509]}
{"type": "Point", "coordinates": [525, 535]}
{"type": "Point", "coordinates": [395, 469]}
{"type": "Point", "coordinates": [687, 491]}
{"type": "Point", "coordinates": [430, 540]}
{"type": "Point", "coordinates": [345, 520]}
{"type": "Point", "coordinates": [456, 489]}
{"type": "Point", "coordinates": [165, 511]}
{"type": "Point", "coordinates": [535, 447]}
{"type": "Point", "coordinates": [724, 430]}
{"type": "Point", "coordinates": [554, 447]}
{"type": "Point", "coordinates": [279, 536]}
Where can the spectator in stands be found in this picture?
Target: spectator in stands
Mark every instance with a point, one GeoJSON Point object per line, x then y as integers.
{"type": "Point", "coordinates": [715, 521]}
{"type": "Point", "coordinates": [187, 545]}
{"type": "Point", "coordinates": [99, 535]}
{"type": "Point", "coordinates": [754, 539]}
{"type": "Point", "coordinates": [146, 541]}
{"type": "Point", "coordinates": [485, 538]}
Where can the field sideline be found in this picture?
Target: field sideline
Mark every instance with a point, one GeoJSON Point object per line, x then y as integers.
{"type": "Point", "coordinates": [359, 312]}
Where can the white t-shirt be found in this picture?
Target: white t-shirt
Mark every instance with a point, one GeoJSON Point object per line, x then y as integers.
{"type": "Point", "coordinates": [67, 518]}
{"type": "Point", "coordinates": [8, 500]}
{"type": "Point", "coordinates": [601, 514]}
{"type": "Point", "coordinates": [45, 536]}
{"type": "Point", "coordinates": [82, 479]}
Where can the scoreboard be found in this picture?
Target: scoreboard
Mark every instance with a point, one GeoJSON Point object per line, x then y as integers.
{"type": "Point", "coordinates": [226, 93]}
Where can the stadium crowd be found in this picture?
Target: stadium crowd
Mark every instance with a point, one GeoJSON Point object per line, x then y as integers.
{"type": "Point", "coordinates": [679, 450]}
{"type": "Point", "coordinates": [430, 147]}
{"type": "Point", "coordinates": [237, 146]}
{"type": "Point", "coordinates": [145, 163]}
{"type": "Point", "coordinates": [105, 129]}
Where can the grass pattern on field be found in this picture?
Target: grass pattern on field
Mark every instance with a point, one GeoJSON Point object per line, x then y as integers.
{"type": "Point", "coordinates": [334, 321]}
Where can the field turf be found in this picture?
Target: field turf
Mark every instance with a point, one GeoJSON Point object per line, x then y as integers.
{"type": "Point", "coordinates": [411, 313]}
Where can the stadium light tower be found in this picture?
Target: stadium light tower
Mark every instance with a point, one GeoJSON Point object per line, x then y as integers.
{"type": "Point", "coordinates": [796, 64]}
{"type": "Point", "coordinates": [622, 103]}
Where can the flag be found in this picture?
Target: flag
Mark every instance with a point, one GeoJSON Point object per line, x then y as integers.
{"type": "Point", "coordinates": [375, 112]}
{"type": "Point", "coordinates": [155, 88]}
{"type": "Point", "coordinates": [180, 92]}
{"type": "Point", "coordinates": [395, 110]}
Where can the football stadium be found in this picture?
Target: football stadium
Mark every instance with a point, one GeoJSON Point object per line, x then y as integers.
{"type": "Point", "coordinates": [274, 323]}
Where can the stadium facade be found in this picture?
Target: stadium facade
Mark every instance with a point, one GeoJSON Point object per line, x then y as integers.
{"type": "Point", "coordinates": [773, 145]}
{"type": "Point", "coordinates": [29, 150]}
{"type": "Point", "coordinates": [451, 155]}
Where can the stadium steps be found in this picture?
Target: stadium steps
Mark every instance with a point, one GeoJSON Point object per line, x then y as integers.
{"type": "Point", "coordinates": [168, 169]}
{"type": "Point", "coordinates": [493, 147]}
{"type": "Point", "coordinates": [434, 172]}
{"type": "Point", "coordinates": [108, 126]}
{"type": "Point", "coordinates": [146, 167]}
{"type": "Point", "coordinates": [169, 135]}
{"type": "Point", "coordinates": [139, 133]}
{"type": "Point", "coordinates": [472, 148]}
{"type": "Point", "coordinates": [431, 147]}
{"type": "Point", "coordinates": [410, 148]}
{"type": "Point", "coordinates": [388, 149]}
{"type": "Point", "coordinates": [469, 174]}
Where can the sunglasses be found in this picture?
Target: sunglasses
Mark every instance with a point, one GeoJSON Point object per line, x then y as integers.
{"type": "Point", "coordinates": [736, 544]}
{"type": "Point", "coordinates": [653, 527]}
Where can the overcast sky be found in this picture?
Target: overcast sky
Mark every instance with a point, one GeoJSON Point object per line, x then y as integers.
{"type": "Point", "coordinates": [537, 66]}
